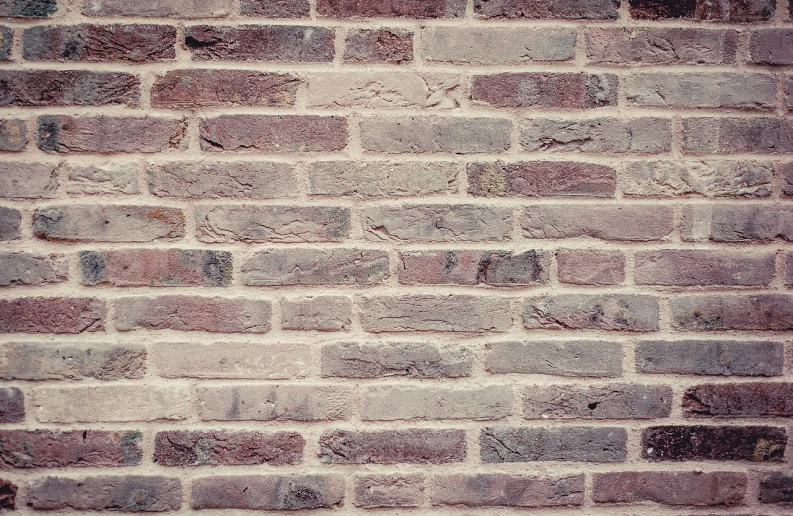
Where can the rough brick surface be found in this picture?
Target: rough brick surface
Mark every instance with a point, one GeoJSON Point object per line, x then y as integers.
{"type": "Point", "coordinates": [68, 88]}
{"type": "Point", "coordinates": [273, 134]}
{"type": "Point", "coordinates": [275, 8]}
{"type": "Point", "coordinates": [320, 313]}
{"type": "Point", "coordinates": [702, 10]}
{"type": "Point", "coordinates": [626, 222]}
{"type": "Point", "coordinates": [572, 90]}
{"type": "Point", "coordinates": [48, 449]}
{"type": "Point", "coordinates": [776, 488]}
{"type": "Point", "coordinates": [52, 315]}
{"type": "Point", "coordinates": [410, 446]}
{"type": "Point", "coordinates": [12, 405]}
{"type": "Point", "coordinates": [28, 180]}
{"type": "Point", "coordinates": [495, 489]}
{"type": "Point", "coordinates": [240, 180]}
{"type": "Point", "coordinates": [13, 135]}
{"type": "Point", "coordinates": [737, 312]}
{"type": "Point", "coordinates": [39, 361]}
{"type": "Point", "coordinates": [463, 313]}
{"type": "Point", "coordinates": [540, 444]}
{"type": "Point", "coordinates": [736, 443]}
{"type": "Point", "coordinates": [289, 43]}
{"type": "Point", "coordinates": [108, 223]}
{"type": "Point", "coordinates": [772, 46]}
{"type": "Point", "coordinates": [30, 269]}
{"type": "Point", "coordinates": [110, 134]}
{"type": "Point", "coordinates": [392, 46]}
{"type": "Point", "coordinates": [660, 45]}
{"type": "Point", "coordinates": [541, 179]}
{"type": "Point", "coordinates": [610, 401]}
{"type": "Point", "coordinates": [120, 178]}
{"type": "Point", "coordinates": [590, 266]}
{"type": "Point", "coordinates": [29, 8]}
{"type": "Point", "coordinates": [193, 313]}
{"type": "Point", "coordinates": [417, 360]}
{"type": "Point", "coordinates": [374, 491]}
{"type": "Point", "coordinates": [547, 9]}
{"type": "Point", "coordinates": [703, 90]}
{"type": "Point", "coordinates": [316, 267]}
{"type": "Point", "coordinates": [437, 223]}
{"type": "Point", "coordinates": [9, 223]}
{"type": "Point", "coordinates": [385, 90]}
{"type": "Point", "coordinates": [382, 179]}
{"type": "Point", "coordinates": [697, 178]}
{"type": "Point", "coordinates": [193, 89]}
{"type": "Point", "coordinates": [671, 488]}
{"type": "Point", "coordinates": [597, 135]}
{"type": "Point", "coordinates": [710, 357]}
{"type": "Point", "coordinates": [268, 492]}
{"type": "Point", "coordinates": [197, 448]}
{"type": "Point", "coordinates": [739, 400]}
{"type": "Point", "coordinates": [157, 8]}
{"type": "Point", "coordinates": [274, 403]}
{"type": "Point", "coordinates": [603, 312]}
{"type": "Point", "coordinates": [391, 8]}
{"type": "Point", "coordinates": [131, 493]}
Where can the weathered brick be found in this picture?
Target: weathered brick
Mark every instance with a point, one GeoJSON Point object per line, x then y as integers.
{"type": "Point", "coordinates": [273, 133]}
{"type": "Point", "coordinates": [275, 8]}
{"type": "Point", "coordinates": [670, 488]}
{"type": "Point", "coordinates": [10, 220]}
{"type": "Point", "coordinates": [710, 357]}
{"type": "Point", "coordinates": [12, 405]}
{"type": "Point", "coordinates": [110, 178]}
{"type": "Point", "coordinates": [702, 90]}
{"type": "Point", "coordinates": [13, 135]}
{"type": "Point", "coordinates": [541, 179]}
{"type": "Point", "coordinates": [610, 401]}
{"type": "Point", "coordinates": [106, 493]}
{"type": "Point", "coordinates": [24, 180]}
{"type": "Point", "coordinates": [274, 403]}
{"type": "Point", "coordinates": [391, 8]}
{"type": "Point", "coordinates": [772, 46]}
{"type": "Point", "coordinates": [75, 448]}
{"type": "Point", "coordinates": [703, 10]}
{"type": "Point", "coordinates": [382, 178]}
{"type": "Point", "coordinates": [776, 487]}
{"type": "Point", "coordinates": [787, 169]}
{"type": "Point", "coordinates": [689, 267]}
{"type": "Point", "coordinates": [111, 134]}
{"type": "Point", "coordinates": [231, 360]}
{"type": "Point", "coordinates": [624, 312]}
{"type": "Point", "coordinates": [375, 491]}
{"type": "Point", "coordinates": [496, 268]}
{"type": "Point", "coordinates": [52, 315]}
{"type": "Point", "coordinates": [437, 223]}
{"type": "Point", "coordinates": [158, 8]}
{"type": "Point", "coordinates": [6, 43]}
{"type": "Point", "coordinates": [111, 403]}
{"type": "Point", "coordinates": [513, 45]}
{"type": "Point", "coordinates": [193, 313]}
{"type": "Point", "coordinates": [597, 135]}
{"type": "Point", "coordinates": [282, 224]}
{"type": "Point", "coordinates": [384, 90]}
{"type": "Point", "coordinates": [752, 400]}
{"type": "Point", "coordinates": [415, 360]}
{"type": "Point", "coordinates": [280, 43]}
{"type": "Point", "coordinates": [134, 43]}
{"type": "Point", "coordinates": [8, 494]}
{"type": "Point", "coordinates": [156, 268]}
{"type": "Point", "coordinates": [268, 492]}
{"type": "Point", "coordinates": [390, 403]}
{"type": "Point", "coordinates": [28, 8]}
{"type": "Point", "coordinates": [316, 267]}
{"type": "Point", "coordinates": [706, 178]}
{"type": "Point", "coordinates": [206, 179]}
{"type": "Point", "coordinates": [68, 88]}
{"type": "Point", "coordinates": [499, 489]}
{"type": "Point", "coordinates": [569, 443]}
{"type": "Point", "coordinates": [732, 312]}
{"type": "Point", "coordinates": [789, 268]}
{"type": "Point", "coordinates": [381, 45]}
{"type": "Point", "coordinates": [406, 446]}
{"type": "Point", "coordinates": [452, 313]}
{"type": "Point", "coordinates": [225, 447]}
{"type": "Point", "coordinates": [546, 90]}
{"type": "Point", "coordinates": [737, 223]}
{"type": "Point", "coordinates": [18, 268]}
{"type": "Point", "coordinates": [318, 313]}
{"type": "Point", "coordinates": [590, 266]}
{"type": "Point", "coordinates": [737, 135]}
{"type": "Point", "coordinates": [585, 358]}
{"type": "Point", "coordinates": [547, 9]}
{"type": "Point", "coordinates": [447, 135]}
{"type": "Point", "coordinates": [660, 45]}
{"type": "Point", "coordinates": [194, 89]}
{"type": "Point", "coordinates": [42, 361]}
{"type": "Point", "coordinates": [108, 223]}
{"type": "Point", "coordinates": [739, 443]}
{"type": "Point", "coordinates": [640, 223]}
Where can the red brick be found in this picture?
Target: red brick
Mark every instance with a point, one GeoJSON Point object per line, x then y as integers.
{"type": "Point", "coordinates": [375, 491]}
{"type": "Point", "coordinates": [732, 312]}
{"type": "Point", "coordinates": [110, 134]}
{"type": "Point", "coordinates": [42, 361]}
{"type": "Point", "coordinates": [280, 43]}
{"type": "Point", "coordinates": [660, 45]}
{"type": "Point", "coordinates": [29, 8]}
{"type": "Point", "coordinates": [13, 135]}
{"type": "Point", "coordinates": [273, 402]}
{"type": "Point", "coordinates": [225, 447]}
{"type": "Point", "coordinates": [590, 266]}
{"type": "Point", "coordinates": [207, 179]}
{"type": "Point", "coordinates": [108, 223]}
{"type": "Point", "coordinates": [610, 401]}
{"type": "Point", "coordinates": [158, 8]}
{"type": "Point", "coordinates": [451, 313]}
{"type": "Point", "coordinates": [193, 313]}
{"type": "Point", "coordinates": [700, 443]}
{"type": "Point", "coordinates": [31, 269]}
{"type": "Point", "coordinates": [12, 405]}
{"type": "Point", "coordinates": [106, 493]}
{"type": "Point", "coordinates": [274, 133]}
{"type": "Point", "coordinates": [496, 268]}
{"type": "Point", "coordinates": [751, 400]}
{"type": "Point", "coordinates": [10, 220]}
{"type": "Point", "coordinates": [670, 488]}
{"type": "Point", "coordinates": [543, 444]}
{"type": "Point", "coordinates": [75, 448]}
{"type": "Point", "coordinates": [156, 268]}
{"type": "Point", "coordinates": [499, 489]}
{"type": "Point", "coordinates": [268, 492]}
{"type": "Point", "coordinates": [52, 315]}
{"type": "Point", "coordinates": [25, 180]}
{"type": "Point", "coordinates": [192, 89]}
{"type": "Point", "coordinates": [8, 494]}
{"type": "Point", "coordinates": [688, 267]}
{"type": "Point", "coordinates": [95, 43]}
{"type": "Point", "coordinates": [545, 90]}
{"type": "Point", "coordinates": [737, 135]}
{"type": "Point", "coordinates": [68, 88]}
{"type": "Point", "coordinates": [547, 9]}
{"type": "Point", "coordinates": [391, 8]}
{"type": "Point", "coordinates": [304, 266]}
{"type": "Point", "coordinates": [703, 10]}
{"type": "Point", "coordinates": [283, 224]}
{"type": "Point", "coordinates": [407, 446]}
{"type": "Point", "coordinates": [275, 8]}
{"type": "Point", "coordinates": [392, 46]}
{"type": "Point", "coordinates": [541, 179]}
{"type": "Point", "coordinates": [639, 223]}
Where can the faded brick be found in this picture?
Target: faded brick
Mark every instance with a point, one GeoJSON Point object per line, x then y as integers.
{"type": "Point", "coordinates": [28, 8]}
{"type": "Point", "coordinates": [274, 403]}
{"type": "Point", "coordinates": [547, 9]}
{"type": "Point", "coordinates": [569, 443]}
{"type": "Point", "coordinates": [639, 223]}
{"type": "Point", "coordinates": [541, 179]}
{"type": "Point", "coordinates": [706, 178]}
{"type": "Point", "coordinates": [415, 360]}
{"type": "Point", "coordinates": [699, 443]}
{"type": "Point", "coordinates": [590, 266]}
{"type": "Point", "coordinates": [597, 135]}
{"type": "Point", "coordinates": [316, 267]}
{"type": "Point", "coordinates": [737, 223]}
{"type": "Point", "coordinates": [776, 487]}
{"type": "Point", "coordinates": [372, 90]}
{"type": "Point", "coordinates": [660, 45]}
{"type": "Point", "coordinates": [382, 179]}
{"type": "Point", "coordinates": [789, 268]}
{"type": "Point", "coordinates": [732, 312]}
{"type": "Point", "coordinates": [10, 220]}
{"type": "Point", "coordinates": [43, 361]}
{"type": "Point", "coordinates": [194, 89]}
{"type": "Point", "coordinates": [374, 491]}
{"type": "Point", "coordinates": [68, 88]}
{"type": "Point", "coordinates": [437, 223]}
{"type": "Point", "coordinates": [621, 312]}
{"type": "Point", "coordinates": [577, 358]}
{"type": "Point", "coordinates": [268, 492]}
{"type": "Point", "coordinates": [390, 403]}
{"type": "Point", "coordinates": [772, 46]}
{"type": "Point", "coordinates": [610, 401]}
{"type": "Point", "coordinates": [18, 268]}
{"type": "Point", "coordinates": [447, 135]}
{"type": "Point", "coordinates": [108, 223]}
{"type": "Point", "coordinates": [391, 8]}
{"type": "Point", "coordinates": [158, 8]}
{"type": "Point", "coordinates": [451, 313]}
{"type": "Point", "coordinates": [110, 178]}
{"type": "Point", "coordinates": [282, 224]}
{"type": "Point", "coordinates": [737, 136]}
{"type": "Point", "coordinates": [275, 8]}
{"type": "Point", "coordinates": [23, 180]}
{"type": "Point", "coordinates": [273, 133]}
{"type": "Point", "coordinates": [106, 493]}
{"type": "Point", "coordinates": [703, 10]}
{"type": "Point", "coordinates": [12, 405]}
{"type": "Point", "coordinates": [514, 45]}
{"type": "Point", "coordinates": [751, 400]}
{"type": "Point", "coordinates": [499, 489]}
{"type": "Point", "coordinates": [219, 179]}
{"type": "Point", "coordinates": [156, 268]}
{"type": "Point", "coordinates": [496, 268]}
{"type": "Point", "coordinates": [407, 446]}
{"type": "Point", "coordinates": [55, 449]}
{"type": "Point", "coordinates": [710, 357]}
{"type": "Point", "coordinates": [382, 45]}
{"type": "Point", "coordinates": [13, 135]}
{"type": "Point", "coordinates": [546, 90]}
{"type": "Point", "coordinates": [279, 43]}
{"type": "Point", "coordinates": [193, 313]}
{"type": "Point", "coordinates": [225, 447]}
{"type": "Point", "coordinates": [670, 488]}
{"type": "Point", "coordinates": [52, 315]}
{"type": "Point", "coordinates": [318, 313]}
{"type": "Point", "coordinates": [689, 267]}
{"type": "Point", "coordinates": [702, 90]}
{"type": "Point", "coordinates": [231, 360]}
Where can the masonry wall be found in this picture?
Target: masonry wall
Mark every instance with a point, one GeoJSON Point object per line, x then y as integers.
{"type": "Point", "coordinates": [396, 256]}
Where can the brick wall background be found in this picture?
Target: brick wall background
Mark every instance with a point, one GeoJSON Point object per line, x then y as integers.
{"type": "Point", "coordinates": [446, 256]}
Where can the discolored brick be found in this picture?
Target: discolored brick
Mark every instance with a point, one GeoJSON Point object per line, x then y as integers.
{"type": "Point", "coordinates": [275, 8]}
{"type": "Point", "coordinates": [108, 223]}
{"type": "Point", "coordinates": [274, 402]}
{"type": "Point", "coordinates": [491, 45]}
{"type": "Point", "coordinates": [539, 444]}
{"type": "Point", "coordinates": [751, 400]}
{"type": "Point", "coordinates": [703, 10]}
{"type": "Point", "coordinates": [772, 46]}
{"type": "Point", "coordinates": [541, 179]}
{"type": "Point", "coordinates": [381, 45]}
{"type": "Point", "coordinates": [590, 266]}
{"type": "Point", "coordinates": [660, 45]}
{"type": "Point", "coordinates": [437, 223]}
{"type": "Point", "coordinates": [702, 177]}
{"type": "Point", "coordinates": [583, 358]}
{"type": "Point", "coordinates": [597, 135]}
{"type": "Point", "coordinates": [392, 403]}
{"type": "Point", "coordinates": [710, 357]}
{"type": "Point", "coordinates": [75, 448]}
{"type": "Point", "coordinates": [375, 491]}
{"type": "Point", "coordinates": [13, 135]}
{"type": "Point", "coordinates": [43, 361]}
{"type": "Point", "coordinates": [158, 8]}
{"type": "Point", "coordinates": [776, 488]}
{"type": "Point", "coordinates": [10, 220]}
{"type": "Point", "coordinates": [19, 268]}
{"type": "Point", "coordinates": [719, 488]}
{"type": "Point", "coordinates": [628, 312]}
{"type": "Point", "coordinates": [193, 313]}
{"type": "Point", "coordinates": [737, 136]}
{"type": "Point", "coordinates": [225, 447]}
{"type": "Point", "coordinates": [316, 267]}
{"type": "Point", "coordinates": [6, 42]}
{"type": "Point", "coordinates": [547, 9]}
{"type": "Point", "coordinates": [52, 315]}
{"type": "Point", "coordinates": [732, 312]}
{"type": "Point", "coordinates": [24, 180]}
{"type": "Point", "coordinates": [382, 179]}
{"type": "Point", "coordinates": [68, 88]}
{"type": "Point", "coordinates": [132, 493]}
{"type": "Point", "coordinates": [195, 89]}
{"type": "Point", "coordinates": [442, 135]}
{"type": "Point", "coordinates": [156, 267]}
{"type": "Point", "coordinates": [545, 90]}
{"type": "Point", "coordinates": [499, 489]}
{"type": "Point", "coordinates": [610, 401]}
{"type": "Point", "coordinates": [268, 492]}
{"type": "Point", "coordinates": [8, 494]}
{"type": "Point", "coordinates": [495, 268]}
{"type": "Point", "coordinates": [273, 133]}
{"type": "Point", "coordinates": [279, 43]}
{"type": "Point", "coordinates": [736, 443]}
{"type": "Point", "coordinates": [12, 405]}
{"type": "Point", "coordinates": [28, 8]}
{"type": "Point", "coordinates": [626, 222]}
{"type": "Point", "coordinates": [415, 360]}
{"type": "Point", "coordinates": [317, 313]}
{"type": "Point", "coordinates": [391, 9]}
{"type": "Point", "coordinates": [405, 446]}
{"type": "Point", "coordinates": [688, 267]}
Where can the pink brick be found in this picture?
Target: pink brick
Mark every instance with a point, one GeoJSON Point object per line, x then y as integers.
{"type": "Point", "coordinates": [52, 315]}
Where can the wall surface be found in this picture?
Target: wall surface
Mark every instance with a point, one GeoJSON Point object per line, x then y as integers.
{"type": "Point", "coordinates": [396, 256]}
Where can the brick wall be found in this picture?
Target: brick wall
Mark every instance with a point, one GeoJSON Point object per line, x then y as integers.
{"type": "Point", "coordinates": [434, 256]}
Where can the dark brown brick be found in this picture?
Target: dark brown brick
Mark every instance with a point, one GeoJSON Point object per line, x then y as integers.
{"type": "Point", "coordinates": [106, 493]}
{"type": "Point", "coordinates": [12, 405]}
{"type": "Point", "coordinates": [28, 8]}
{"type": "Point", "coordinates": [282, 43]}
{"type": "Point", "coordinates": [52, 315]}
{"type": "Point", "coordinates": [610, 401]}
{"type": "Point", "coordinates": [541, 179]}
{"type": "Point", "coordinates": [736, 312]}
{"type": "Point", "coordinates": [76, 448]}
{"type": "Point", "coordinates": [751, 400]}
{"type": "Point", "coordinates": [495, 268]}
{"type": "Point", "coordinates": [569, 443]}
{"type": "Point", "coordinates": [547, 9]}
{"type": "Point", "coordinates": [193, 313]}
{"type": "Point", "coordinates": [8, 494]}
{"type": "Point", "coordinates": [546, 90]}
{"type": "Point", "coordinates": [268, 492]}
{"type": "Point", "coordinates": [225, 447]}
{"type": "Point", "coordinates": [710, 357]}
{"type": "Point", "coordinates": [501, 490]}
{"type": "Point", "coordinates": [670, 488]}
{"type": "Point", "coordinates": [193, 89]}
{"type": "Point", "coordinates": [660, 45]}
{"type": "Point", "coordinates": [156, 268]}
{"type": "Point", "coordinates": [10, 220]}
{"type": "Point", "coordinates": [375, 491]}
{"type": "Point", "coordinates": [68, 88]}
{"type": "Point", "coordinates": [108, 223]}
{"type": "Point", "coordinates": [274, 133]}
{"type": "Point", "coordinates": [590, 266]}
{"type": "Point", "coordinates": [776, 487]}
{"type": "Point", "coordinates": [392, 46]}
{"type": "Point", "coordinates": [275, 8]}
{"type": "Point", "coordinates": [739, 443]}
{"type": "Point", "coordinates": [391, 8]}
{"type": "Point", "coordinates": [13, 135]}
{"type": "Point", "coordinates": [411, 446]}
{"type": "Point", "coordinates": [703, 10]}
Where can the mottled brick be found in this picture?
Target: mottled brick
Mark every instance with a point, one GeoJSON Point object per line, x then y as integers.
{"type": "Point", "coordinates": [499, 489]}
{"type": "Point", "coordinates": [576, 358]}
{"type": "Point", "coordinates": [316, 267]}
{"type": "Point", "coordinates": [590, 266]}
{"type": "Point", "coordinates": [381, 45]}
{"type": "Point", "coordinates": [108, 223]}
{"type": "Point", "coordinates": [697, 178]}
{"type": "Point", "coordinates": [12, 405]}
{"type": "Point", "coordinates": [279, 43]}
{"type": "Point", "coordinates": [491, 45]}
{"type": "Point", "coordinates": [670, 488]}
{"type": "Point", "coordinates": [688, 267]}
{"type": "Point", "coordinates": [545, 90]}
{"type": "Point", "coordinates": [710, 357]}
{"type": "Point", "coordinates": [703, 10]}
{"type": "Point", "coordinates": [97, 179]}
{"type": "Point", "coordinates": [268, 492]}
{"type": "Point", "coordinates": [24, 180]}
{"type": "Point", "coordinates": [495, 268]}
{"type": "Point", "coordinates": [13, 135]}
{"type": "Point", "coordinates": [43, 361]}
{"type": "Point", "coordinates": [622, 312]}
{"type": "Point", "coordinates": [158, 8]}
{"type": "Point", "coordinates": [193, 313]}
{"type": "Point", "coordinates": [660, 45]}
{"type": "Point", "coordinates": [375, 491]}
{"type": "Point", "coordinates": [28, 8]}
{"type": "Point", "coordinates": [210, 180]}
{"type": "Point", "coordinates": [6, 43]}
{"type": "Point", "coordinates": [392, 403]}
{"type": "Point", "coordinates": [106, 493]}
{"type": "Point", "coordinates": [156, 268]}
{"type": "Point", "coordinates": [737, 135]}
{"type": "Point", "coordinates": [19, 268]}
{"type": "Point", "coordinates": [538, 444]}
{"type": "Point", "coordinates": [391, 8]}
{"type": "Point", "coordinates": [787, 169]}
{"type": "Point", "coordinates": [772, 46]}
{"type": "Point", "coordinates": [274, 403]}
{"type": "Point", "coordinates": [318, 313]}
{"type": "Point", "coordinates": [54, 449]}
{"type": "Point", "coordinates": [52, 315]}
{"type": "Point", "coordinates": [275, 8]}
{"type": "Point", "coordinates": [112, 403]}
{"type": "Point", "coordinates": [441, 135]}
{"type": "Point", "coordinates": [732, 312]}
{"type": "Point", "coordinates": [776, 487]}
{"type": "Point", "coordinates": [382, 179]}
{"type": "Point", "coordinates": [597, 135]}
{"type": "Point", "coordinates": [702, 90]}
{"type": "Point", "coordinates": [541, 179]}
{"type": "Point", "coordinates": [195, 89]}
{"type": "Point", "coordinates": [68, 88]}
{"type": "Point", "coordinates": [8, 494]}
{"type": "Point", "coordinates": [273, 133]}
{"type": "Point", "coordinates": [409, 359]}
{"type": "Point", "coordinates": [609, 401]}
{"type": "Point", "coordinates": [375, 89]}
{"type": "Point", "coordinates": [226, 447]}
{"type": "Point", "coordinates": [10, 220]}
{"type": "Point", "coordinates": [698, 443]}
{"type": "Point", "coordinates": [737, 222]}
{"type": "Point", "coordinates": [437, 223]}
{"type": "Point", "coordinates": [406, 446]}
{"type": "Point", "coordinates": [751, 400]}
{"type": "Point", "coordinates": [451, 313]}
{"type": "Point", "coordinates": [626, 222]}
